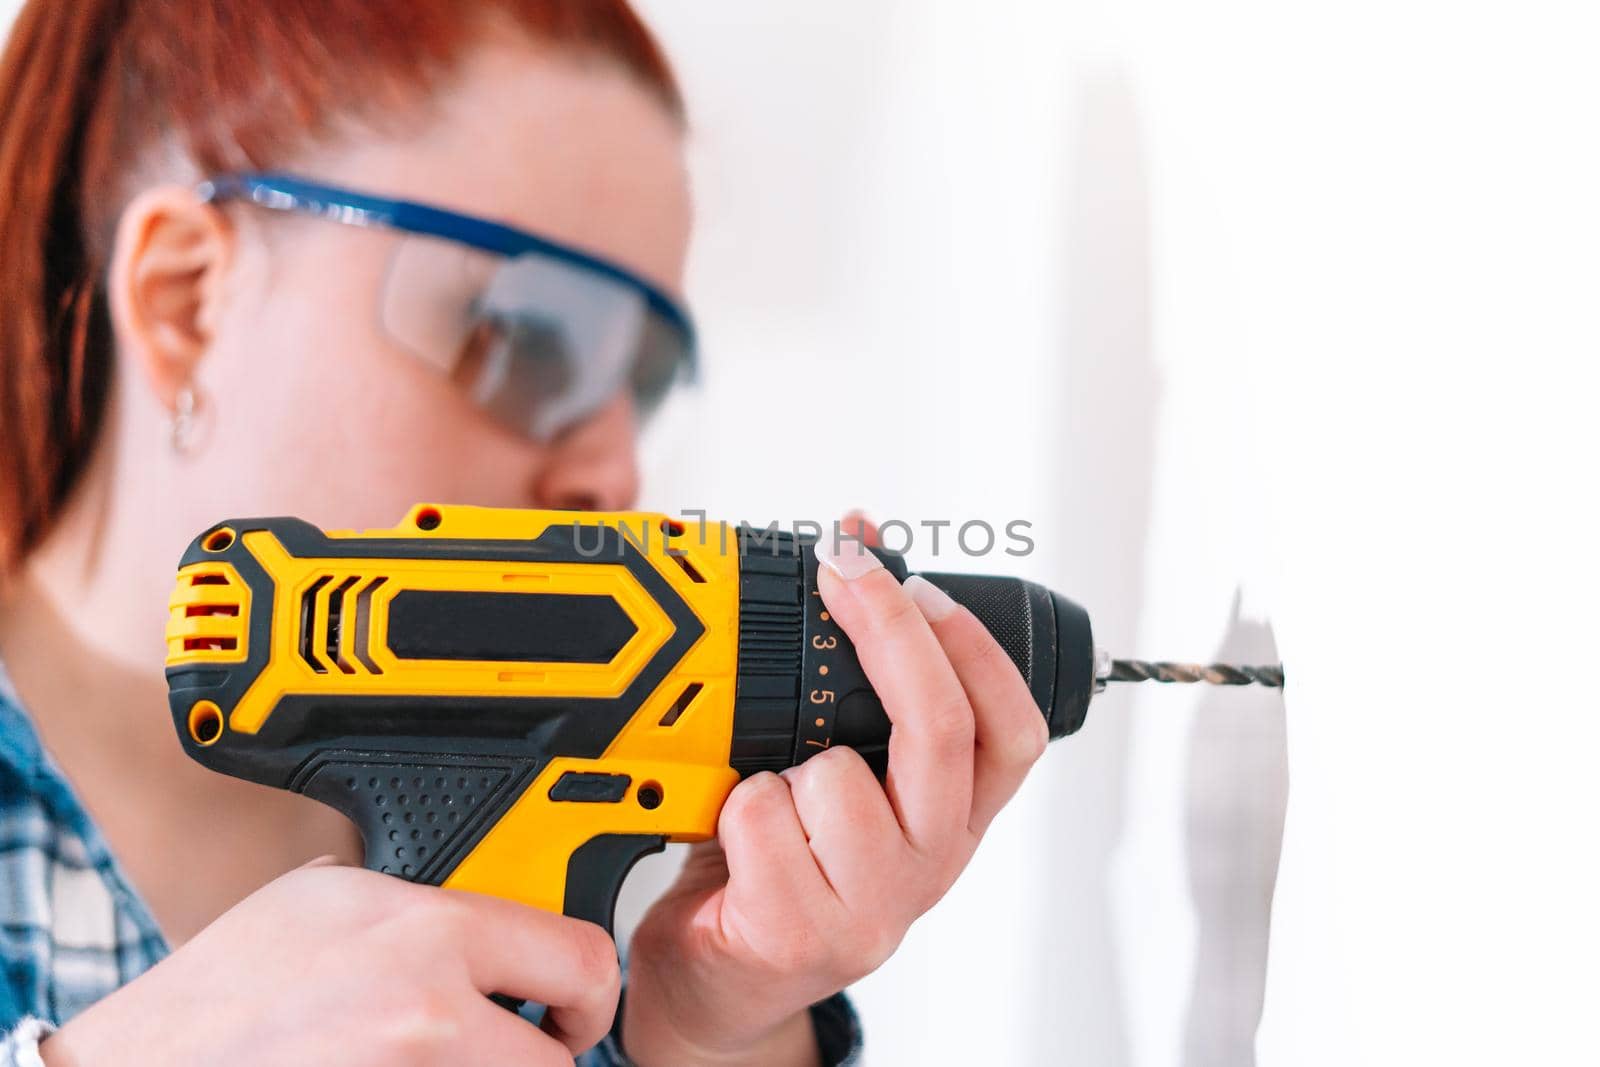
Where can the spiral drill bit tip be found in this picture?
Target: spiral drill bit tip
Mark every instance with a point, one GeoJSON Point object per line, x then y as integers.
{"type": "Point", "coordinates": [1138, 670]}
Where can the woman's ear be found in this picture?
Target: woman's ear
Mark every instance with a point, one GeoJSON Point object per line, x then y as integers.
{"type": "Point", "coordinates": [165, 284]}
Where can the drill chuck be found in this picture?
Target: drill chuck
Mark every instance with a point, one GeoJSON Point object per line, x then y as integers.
{"type": "Point", "coordinates": [801, 689]}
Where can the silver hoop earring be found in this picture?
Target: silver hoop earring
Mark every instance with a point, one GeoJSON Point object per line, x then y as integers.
{"type": "Point", "coordinates": [185, 421]}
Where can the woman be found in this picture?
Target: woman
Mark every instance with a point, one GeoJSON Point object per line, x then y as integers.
{"type": "Point", "coordinates": [186, 336]}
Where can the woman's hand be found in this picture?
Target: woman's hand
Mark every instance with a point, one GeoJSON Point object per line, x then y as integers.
{"type": "Point", "coordinates": [340, 965]}
{"type": "Point", "coordinates": [818, 872]}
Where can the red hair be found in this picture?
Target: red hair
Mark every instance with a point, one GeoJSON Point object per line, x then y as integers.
{"type": "Point", "coordinates": [89, 88]}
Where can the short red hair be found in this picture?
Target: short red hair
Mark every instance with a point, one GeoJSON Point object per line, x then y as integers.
{"type": "Point", "coordinates": [87, 89]}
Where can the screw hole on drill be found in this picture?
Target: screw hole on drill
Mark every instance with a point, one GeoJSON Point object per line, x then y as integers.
{"type": "Point", "coordinates": [219, 540]}
{"type": "Point", "coordinates": [429, 519]}
{"type": "Point", "coordinates": [205, 723]}
{"type": "Point", "coordinates": [650, 796]}
{"type": "Point", "coordinates": [672, 527]}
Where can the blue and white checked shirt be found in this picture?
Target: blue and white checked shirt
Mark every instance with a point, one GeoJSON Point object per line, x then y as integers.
{"type": "Point", "coordinates": [72, 929]}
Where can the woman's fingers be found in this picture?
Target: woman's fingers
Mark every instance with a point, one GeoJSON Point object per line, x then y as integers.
{"type": "Point", "coordinates": [930, 749]}
{"type": "Point", "coordinates": [502, 1037]}
{"type": "Point", "coordinates": [856, 524]}
{"type": "Point", "coordinates": [852, 830]}
{"type": "Point", "coordinates": [770, 863]}
{"type": "Point", "coordinates": [1011, 733]}
{"type": "Point", "coordinates": [530, 954]}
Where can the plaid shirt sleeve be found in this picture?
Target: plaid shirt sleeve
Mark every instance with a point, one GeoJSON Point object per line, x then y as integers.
{"type": "Point", "coordinates": [72, 929]}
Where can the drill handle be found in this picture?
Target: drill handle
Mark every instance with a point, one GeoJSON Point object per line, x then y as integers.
{"type": "Point", "coordinates": [560, 834]}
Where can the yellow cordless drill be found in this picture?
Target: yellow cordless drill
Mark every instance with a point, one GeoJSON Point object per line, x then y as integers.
{"type": "Point", "coordinates": [524, 703]}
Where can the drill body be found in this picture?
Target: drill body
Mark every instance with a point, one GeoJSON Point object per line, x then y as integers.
{"type": "Point", "coordinates": [524, 703]}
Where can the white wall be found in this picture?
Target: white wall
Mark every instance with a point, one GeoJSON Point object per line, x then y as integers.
{"type": "Point", "coordinates": [935, 275]}
{"type": "Point", "coordinates": [1289, 299]}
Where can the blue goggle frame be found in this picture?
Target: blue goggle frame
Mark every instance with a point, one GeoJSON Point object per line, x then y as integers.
{"type": "Point", "coordinates": [283, 192]}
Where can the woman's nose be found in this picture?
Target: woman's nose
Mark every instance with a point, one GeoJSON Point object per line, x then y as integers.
{"type": "Point", "coordinates": [593, 466]}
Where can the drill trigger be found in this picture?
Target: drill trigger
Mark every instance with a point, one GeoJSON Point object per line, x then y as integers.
{"type": "Point", "coordinates": [596, 871]}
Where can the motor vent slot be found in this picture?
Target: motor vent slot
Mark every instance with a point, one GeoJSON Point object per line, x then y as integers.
{"type": "Point", "coordinates": [681, 705]}
{"type": "Point", "coordinates": [308, 619]}
{"type": "Point", "coordinates": [336, 622]}
{"type": "Point", "coordinates": [363, 634]}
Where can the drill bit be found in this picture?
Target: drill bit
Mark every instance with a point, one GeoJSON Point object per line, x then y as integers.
{"type": "Point", "coordinates": [1138, 670]}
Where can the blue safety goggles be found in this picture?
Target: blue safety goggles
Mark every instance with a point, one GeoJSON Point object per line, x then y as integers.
{"type": "Point", "coordinates": [539, 334]}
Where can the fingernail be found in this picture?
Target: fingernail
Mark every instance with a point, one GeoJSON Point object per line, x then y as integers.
{"type": "Point", "coordinates": [934, 602]}
{"type": "Point", "coordinates": [847, 558]}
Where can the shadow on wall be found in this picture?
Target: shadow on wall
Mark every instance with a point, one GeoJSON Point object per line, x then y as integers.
{"type": "Point", "coordinates": [1106, 441]}
{"type": "Point", "coordinates": [1237, 793]}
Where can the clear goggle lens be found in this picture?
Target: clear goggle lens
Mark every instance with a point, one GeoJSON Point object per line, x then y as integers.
{"type": "Point", "coordinates": [537, 341]}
